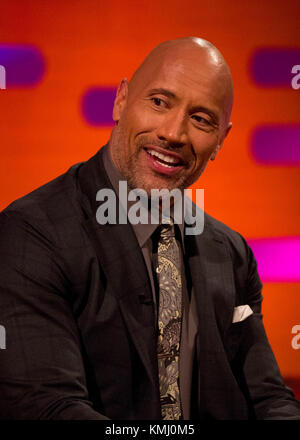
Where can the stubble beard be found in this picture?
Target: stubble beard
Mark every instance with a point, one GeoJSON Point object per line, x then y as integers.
{"type": "Point", "coordinates": [126, 164]}
{"type": "Point", "coordinates": [136, 177]}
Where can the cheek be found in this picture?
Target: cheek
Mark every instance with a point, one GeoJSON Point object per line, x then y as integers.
{"type": "Point", "coordinates": [140, 120]}
{"type": "Point", "coordinates": [204, 147]}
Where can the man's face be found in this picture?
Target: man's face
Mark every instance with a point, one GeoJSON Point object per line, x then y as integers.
{"type": "Point", "coordinates": [170, 123]}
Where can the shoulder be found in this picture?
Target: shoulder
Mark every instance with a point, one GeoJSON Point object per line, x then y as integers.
{"type": "Point", "coordinates": [66, 196]}
{"type": "Point", "coordinates": [240, 252]}
{"type": "Point", "coordinates": [243, 260]}
{"type": "Point", "coordinates": [45, 208]}
{"type": "Point", "coordinates": [48, 197]}
{"type": "Point", "coordinates": [235, 240]}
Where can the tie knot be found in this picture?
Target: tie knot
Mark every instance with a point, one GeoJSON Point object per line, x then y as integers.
{"type": "Point", "coordinates": [167, 230]}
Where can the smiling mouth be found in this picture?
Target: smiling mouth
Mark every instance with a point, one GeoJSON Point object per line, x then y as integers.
{"type": "Point", "coordinates": [165, 160]}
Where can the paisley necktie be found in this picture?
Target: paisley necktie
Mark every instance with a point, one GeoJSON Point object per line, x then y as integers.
{"type": "Point", "coordinates": [169, 321]}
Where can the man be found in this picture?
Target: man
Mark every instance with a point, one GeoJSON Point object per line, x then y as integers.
{"type": "Point", "coordinates": [127, 321]}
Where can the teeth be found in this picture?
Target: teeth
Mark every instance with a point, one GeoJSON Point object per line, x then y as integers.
{"type": "Point", "coordinates": [163, 157]}
{"type": "Point", "coordinates": [167, 166]}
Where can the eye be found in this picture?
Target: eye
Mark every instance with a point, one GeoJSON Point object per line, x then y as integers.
{"type": "Point", "coordinates": [201, 120]}
{"type": "Point", "coordinates": [158, 102]}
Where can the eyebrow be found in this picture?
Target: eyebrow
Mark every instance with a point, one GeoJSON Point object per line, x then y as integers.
{"type": "Point", "coordinates": [198, 108]}
{"type": "Point", "coordinates": [162, 91]}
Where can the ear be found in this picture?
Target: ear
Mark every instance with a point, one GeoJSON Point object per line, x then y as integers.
{"type": "Point", "coordinates": [120, 100]}
{"type": "Point", "coordinates": [219, 146]}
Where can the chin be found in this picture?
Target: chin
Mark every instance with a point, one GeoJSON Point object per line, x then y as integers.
{"type": "Point", "coordinates": [148, 181]}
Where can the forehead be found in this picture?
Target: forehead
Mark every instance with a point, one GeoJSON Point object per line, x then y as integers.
{"type": "Point", "coordinates": [190, 78]}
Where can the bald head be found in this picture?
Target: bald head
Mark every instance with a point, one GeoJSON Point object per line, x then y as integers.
{"type": "Point", "coordinates": [173, 115]}
{"type": "Point", "coordinates": [190, 52]}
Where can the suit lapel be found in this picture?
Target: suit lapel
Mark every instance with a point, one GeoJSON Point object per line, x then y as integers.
{"type": "Point", "coordinates": [211, 276]}
{"type": "Point", "coordinates": [122, 261]}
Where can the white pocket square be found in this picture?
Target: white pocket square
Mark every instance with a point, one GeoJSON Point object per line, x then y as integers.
{"type": "Point", "coordinates": [240, 313]}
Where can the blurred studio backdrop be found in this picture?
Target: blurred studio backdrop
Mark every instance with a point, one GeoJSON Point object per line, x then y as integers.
{"type": "Point", "coordinates": [62, 61]}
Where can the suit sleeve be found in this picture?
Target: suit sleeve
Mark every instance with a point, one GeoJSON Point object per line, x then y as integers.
{"type": "Point", "coordinates": [42, 374]}
{"type": "Point", "coordinates": [270, 397]}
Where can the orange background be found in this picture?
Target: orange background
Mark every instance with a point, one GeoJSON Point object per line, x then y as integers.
{"type": "Point", "coordinates": [91, 43]}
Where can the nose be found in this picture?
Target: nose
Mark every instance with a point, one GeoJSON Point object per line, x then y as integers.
{"type": "Point", "coordinates": [173, 128]}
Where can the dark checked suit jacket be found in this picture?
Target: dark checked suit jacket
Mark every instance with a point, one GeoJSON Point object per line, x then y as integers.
{"type": "Point", "coordinates": [76, 304]}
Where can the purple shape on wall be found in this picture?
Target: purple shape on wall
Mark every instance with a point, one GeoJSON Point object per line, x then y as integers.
{"type": "Point", "coordinates": [278, 259]}
{"type": "Point", "coordinates": [272, 67]}
{"type": "Point", "coordinates": [24, 65]}
{"type": "Point", "coordinates": [276, 144]}
{"type": "Point", "coordinates": [97, 105]}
